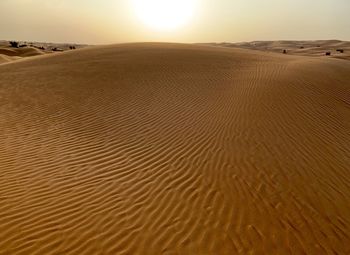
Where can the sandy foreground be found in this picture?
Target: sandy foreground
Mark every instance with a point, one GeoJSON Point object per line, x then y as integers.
{"type": "Point", "coordinates": [174, 149]}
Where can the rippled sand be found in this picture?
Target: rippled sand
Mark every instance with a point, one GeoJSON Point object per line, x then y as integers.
{"type": "Point", "coordinates": [174, 149]}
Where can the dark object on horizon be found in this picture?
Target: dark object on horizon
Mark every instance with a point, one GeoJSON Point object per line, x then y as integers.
{"type": "Point", "coordinates": [284, 51]}
{"type": "Point", "coordinates": [328, 53]}
{"type": "Point", "coordinates": [23, 45]}
{"type": "Point", "coordinates": [301, 47]}
{"type": "Point", "coordinates": [14, 44]}
{"type": "Point", "coordinates": [56, 49]}
{"type": "Point", "coordinates": [72, 47]}
{"type": "Point", "coordinates": [39, 47]}
{"type": "Point", "coordinates": [340, 50]}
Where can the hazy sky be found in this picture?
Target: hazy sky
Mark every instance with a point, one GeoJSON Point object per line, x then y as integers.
{"type": "Point", "coordinates": [113, 21]}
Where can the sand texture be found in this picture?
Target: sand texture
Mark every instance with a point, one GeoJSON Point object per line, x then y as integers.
{"type": "Point", "coordinates": [174, 149]}
{"type": "Point", "coordinates": [301, 48]}
{"type": "Point", "coordinates": [8, 54]}
{"type": "Point", "coordinates": [30, 49]}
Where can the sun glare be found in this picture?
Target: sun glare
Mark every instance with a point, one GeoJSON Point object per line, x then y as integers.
{"type": "Point", "coordinates": [164, 14]}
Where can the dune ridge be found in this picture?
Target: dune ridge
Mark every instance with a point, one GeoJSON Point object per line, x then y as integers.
{"type": "Point", "coordinates": [317, 48]}
{"type": "Point", "coordinates": [31, 49]}
{"type": "Point", "coordinates": [174, 149]}
{"type": "Point", "coordinates": [10, 54]}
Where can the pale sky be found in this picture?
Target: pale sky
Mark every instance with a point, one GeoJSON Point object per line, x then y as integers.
{"type": "Point", "coordinates": [116, 21]}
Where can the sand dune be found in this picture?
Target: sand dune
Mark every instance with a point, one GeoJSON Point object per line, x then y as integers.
{"type": "Point", "coordinates": [5, 59]}
{"type": "Point", "coordinates": [8, 54]}
{"type": "Point", "coordinates": [174, 149]}
{"type": "Point", "coordinates": [301, 48]}
{"type": "Point", "coordinates": [20, 52]}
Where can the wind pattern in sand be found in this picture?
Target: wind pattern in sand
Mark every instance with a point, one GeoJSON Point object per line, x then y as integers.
{"type": "Point", "coordinates": [174, 149]}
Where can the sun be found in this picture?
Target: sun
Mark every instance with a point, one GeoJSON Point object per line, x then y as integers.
{"type": "Point", "coordinates": [164, 14]}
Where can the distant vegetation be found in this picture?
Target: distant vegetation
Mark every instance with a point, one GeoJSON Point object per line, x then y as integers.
{"type": "Point", "coordinates": [44, 46]}
{"type": "Point", "coordinates": [14, 44]}
{"type": "Point", "coordinates": [56, 49]}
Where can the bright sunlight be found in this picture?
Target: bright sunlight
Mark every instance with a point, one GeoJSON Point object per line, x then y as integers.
{"type": "Point", "coordinates": [164, 14]}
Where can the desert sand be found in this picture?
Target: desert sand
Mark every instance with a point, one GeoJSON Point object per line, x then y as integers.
{"type": "Point", "coordinates": [174, 149]}
{"type": "Point", "coordinates": [318, 48]}
{"type": "Point", "coordinates": [30, 49]}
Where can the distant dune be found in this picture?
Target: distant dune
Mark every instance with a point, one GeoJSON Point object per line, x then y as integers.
{"type": "Point", "coordinates": [5, 58]}
{"type": "Point", "coordinates": [30, 49]}
{"type": "Point", "coordinates": [174, 149]}
{"type": "Point", "coordinates": [336, 48]}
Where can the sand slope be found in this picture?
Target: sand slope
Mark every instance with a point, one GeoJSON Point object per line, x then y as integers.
{"type": "Point", "coordinates": [8, 54]}
{"type": "Point", "coordinates": [4, 59]}
{"type": "Point", "coordinates": [302, 48]}
{"type": "Point", "coordinates": [20, 52]}
{"type": "Point", "coordinates": [174, 149]}
{"type": "Point", "coordinates": [31, 49]}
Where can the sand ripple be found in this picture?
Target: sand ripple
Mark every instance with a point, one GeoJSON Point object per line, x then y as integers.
{"type": "Point", "coordinates": [174, 149]}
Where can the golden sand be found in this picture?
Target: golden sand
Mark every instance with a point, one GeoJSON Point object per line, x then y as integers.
{"type": "Point", "coordinates": [174, 149]}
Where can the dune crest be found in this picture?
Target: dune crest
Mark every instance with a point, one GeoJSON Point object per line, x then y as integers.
{"type": "Point", "coordinates": [318, 48]}
{"type": "Point", "coordinates": [24, 50]}
{"type": "Point", "coordinates": [174, 149]}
